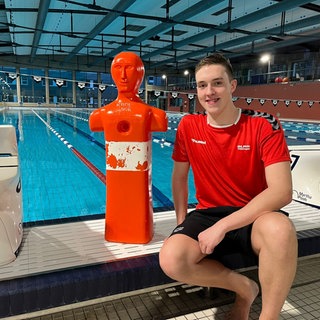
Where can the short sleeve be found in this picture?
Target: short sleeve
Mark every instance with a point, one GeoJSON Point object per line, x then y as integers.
{"type": "Point", "coordinates": [273, 146]}
{"type": "Point", "coordinates": [179, 150]}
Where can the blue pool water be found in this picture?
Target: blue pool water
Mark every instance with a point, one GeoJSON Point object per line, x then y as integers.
{"type": "Point", "coordinates": [298, 133]}
{"type": "Point", "coordinates": [57, 184]}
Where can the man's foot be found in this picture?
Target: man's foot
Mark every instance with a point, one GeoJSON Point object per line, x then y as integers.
{"type": "Point", "coordinates": [242, 304]}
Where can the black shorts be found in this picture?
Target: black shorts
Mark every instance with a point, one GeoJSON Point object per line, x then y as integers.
{"type": "Point", "coordinates": [235, 241]}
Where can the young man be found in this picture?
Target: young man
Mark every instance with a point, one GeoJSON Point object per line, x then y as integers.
{"type": "Point", "coordinates": [241, 168]}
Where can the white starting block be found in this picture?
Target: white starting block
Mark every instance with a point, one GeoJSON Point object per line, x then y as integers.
{"type": "Point", "coordinates": [305, 168]}
{"type": "Point", "coordinates": [11, 231]}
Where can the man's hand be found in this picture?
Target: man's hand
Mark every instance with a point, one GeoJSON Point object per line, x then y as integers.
{"type": "Point", "coordinates": [210, 238]}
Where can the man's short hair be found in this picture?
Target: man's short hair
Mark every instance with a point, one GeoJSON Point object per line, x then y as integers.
{"type": "Point", "coordinates": [216, 58]}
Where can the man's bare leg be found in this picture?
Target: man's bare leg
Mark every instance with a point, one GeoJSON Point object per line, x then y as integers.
{"type": "Point", "coordinates": [274, 240]}
{"type": "Point", "coordinates": [181, 259]}
{"type": "Point", "coordinates": [242, 305]}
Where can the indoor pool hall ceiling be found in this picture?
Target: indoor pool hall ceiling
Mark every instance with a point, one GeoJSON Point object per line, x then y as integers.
{"type": "Point", "coordinates": [169, 35]}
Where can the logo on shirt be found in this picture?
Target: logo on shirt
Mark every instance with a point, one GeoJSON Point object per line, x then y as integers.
{"type": "Point", "coordinates": [244, 147]}
{"type": "Point", "coordinates": [198, 141]}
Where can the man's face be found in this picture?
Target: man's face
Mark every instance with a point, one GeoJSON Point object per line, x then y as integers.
{"type": "Point", "coordinates": [214, 87]}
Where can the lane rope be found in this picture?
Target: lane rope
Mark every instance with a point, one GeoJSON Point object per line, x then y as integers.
{"type": "Point", "coordinates": [165, 201]}
{"type": "Point", "coordinates": [90, 165]}
{"type": "Point", "coordinates": [312, 140]}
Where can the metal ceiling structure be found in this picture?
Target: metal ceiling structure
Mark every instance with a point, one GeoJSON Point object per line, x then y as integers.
{"type": "Point", "coordinates": [168, 34]}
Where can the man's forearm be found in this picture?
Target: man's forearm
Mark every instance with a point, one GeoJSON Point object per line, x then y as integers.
{"type": "Point", "coordinates": [180, 200]}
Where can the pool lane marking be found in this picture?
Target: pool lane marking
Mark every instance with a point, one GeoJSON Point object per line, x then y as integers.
{"type": "Point", "coordinates": [71, 115]}
{"type": "Point", "coordinates": [91, 166]}
{"type": "Point", "coordinates": [167, 143]}
{"type": "Point", "coordinates": [306, 131]}
{"type": "Point", "coordinates": [161, 141]}
{"type": "Point", "coordinates": [312, 140]}
{"type": "Point", "coordinates": [165, 201]}
{"type": "Point", "coordinates": [88, 136]}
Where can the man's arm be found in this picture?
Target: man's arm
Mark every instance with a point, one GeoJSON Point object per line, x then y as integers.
{"type": "Point", "coordinates": [180, 189]}
{"type": "Point", "coordinates": [274, 197]}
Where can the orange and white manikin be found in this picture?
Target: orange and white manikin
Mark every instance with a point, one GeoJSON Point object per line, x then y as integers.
{"type": "Point", "coordinates": [128, 124]}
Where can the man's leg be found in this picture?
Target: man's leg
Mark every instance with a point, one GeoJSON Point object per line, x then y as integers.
{"type": "Point", "coordinates": [275, 242]}
{"type": "Point", "coordinates": [182, 260]}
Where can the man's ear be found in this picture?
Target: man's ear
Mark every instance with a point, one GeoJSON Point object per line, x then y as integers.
{"type": "Point", "coordinates": [234, 83]}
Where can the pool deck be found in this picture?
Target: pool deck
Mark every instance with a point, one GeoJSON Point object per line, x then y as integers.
{"type": "Point", "coordinates": [61, 264]}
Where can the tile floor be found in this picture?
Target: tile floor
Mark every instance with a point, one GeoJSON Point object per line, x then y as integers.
{"type": "Point", "coordinates": [182, 302]}
{"type": "Point", "coordinates": [61, 246]}
{"type": "Point", "coordinates": [58, 247]}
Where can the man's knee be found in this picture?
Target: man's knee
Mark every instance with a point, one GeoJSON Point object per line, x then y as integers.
{"type": "Point", "coordinates": [274, 230]}
{"type": "Point", "coordinates": [170, 261]}
{"type": "Point", "coordinates": [177, 255]}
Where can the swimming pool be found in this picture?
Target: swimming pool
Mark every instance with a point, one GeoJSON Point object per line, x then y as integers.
{"type": "Point", "coordinates": [61, 160]}
{"type": "Point", "coordinates": [56, 183]}
{"type": "Point", "coordinates": [301, 133]}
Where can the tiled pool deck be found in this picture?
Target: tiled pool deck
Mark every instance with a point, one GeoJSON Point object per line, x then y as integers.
{"type": "Point", "coordinates": [63, 264]}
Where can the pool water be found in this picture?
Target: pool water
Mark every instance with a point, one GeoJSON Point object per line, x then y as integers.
{"type": "Point", "coordinates": [58, 185]}
{"type": "Point", "coordinates": [301, 133]}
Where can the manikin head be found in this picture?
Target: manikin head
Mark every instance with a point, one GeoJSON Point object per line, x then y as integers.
{"type": "Point", "coordinates": [127, 71]}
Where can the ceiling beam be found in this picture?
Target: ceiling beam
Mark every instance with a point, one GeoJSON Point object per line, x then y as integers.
{"type": "Point", "coordinates": [110, 17]}
{"type": "Point", "coordinates": [247, 19]}
{"type": "Point", "coordinates": [181, 17]}
{"type": "Point", "coordinates": [248, 39]}
{"type": "Point", "coordinates": [41, 18]}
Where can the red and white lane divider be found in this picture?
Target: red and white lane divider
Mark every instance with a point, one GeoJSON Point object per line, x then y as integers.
{"type": "Point", "coordinates": [91, 166]}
